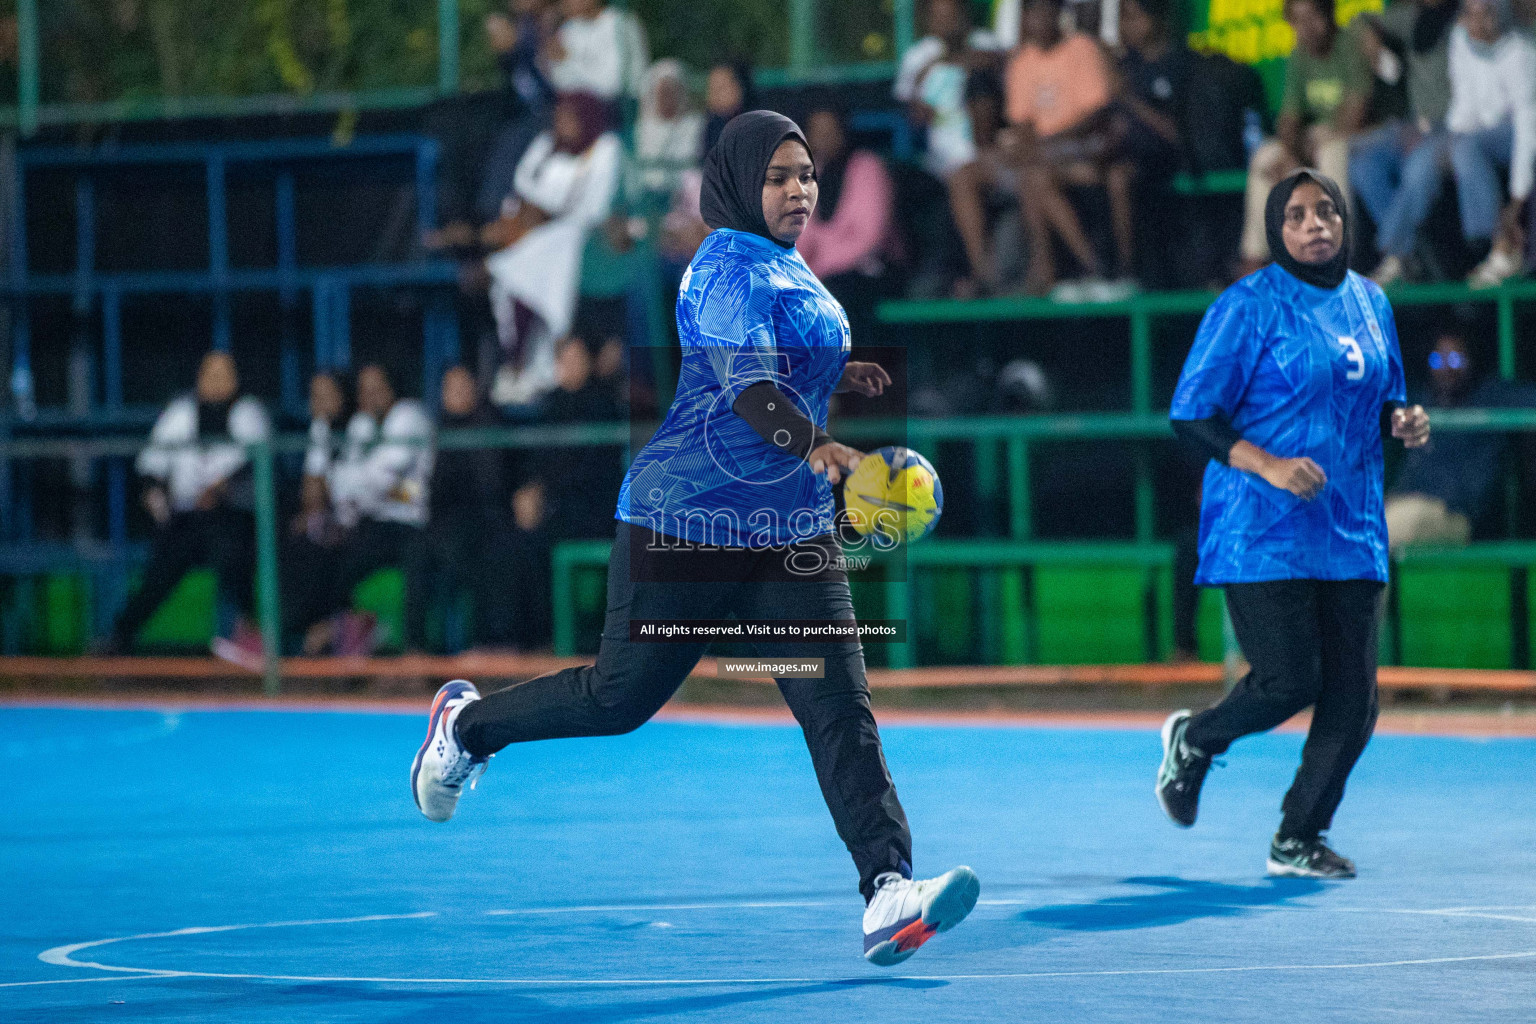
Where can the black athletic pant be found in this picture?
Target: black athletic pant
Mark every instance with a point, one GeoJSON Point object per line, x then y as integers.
{"type": "Point", "coordinates": [1310, 643]}
{"type": "Point", "coordinates": [632, 680]}
{"type": "Point", "coordinates": [221, 537]}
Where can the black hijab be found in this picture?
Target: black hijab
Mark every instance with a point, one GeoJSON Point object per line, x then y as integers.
{"type": "Point", "coordinates": [734, 171]}
{"type": "Point", "coordinates": [1320, 275]}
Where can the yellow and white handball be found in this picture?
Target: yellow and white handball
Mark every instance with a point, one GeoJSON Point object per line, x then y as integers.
{"type": "Point", "coordinates": [894, 496]}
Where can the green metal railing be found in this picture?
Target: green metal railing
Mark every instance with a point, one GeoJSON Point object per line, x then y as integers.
{"type": "Point", "coordinates": [1010, 436]}
{"type": "Point", "coordinates": [1145, 308]}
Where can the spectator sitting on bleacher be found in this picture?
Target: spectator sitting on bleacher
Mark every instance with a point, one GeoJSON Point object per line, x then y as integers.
{"type": "Point", "coordinates": [1396, 169]}
{"type": "Point", "coordinates": [517, 38]}
{"type": "Point", "coordinates": [931, 82]}
{"type": "Point", "coordinates": [565, 187]}
{"type": "Point", "coordinates": [849, 242]}
{"type": "Point", "coordinates": [1492, 121]}
{"type": "Point", "coordinates": [200, 498]}
{"type": "Point", "coordinates": [517, 41]}
{"type": "Point", "coordinates": [988, 183]}
{"type": "Point", "coordinates": [1445, 487]}
{"type": "Point", "coordinates": [469, 506]}
{"type": "Point", "coordinates": [1059, 89]}
{"type": "Point", "coordinates": [563, 492]}
{"type": "Point", "coordinates": [1152, 97]}
{"type": "Point", "coordinates": [728, 91]}
{"type": "Point", "coordinates": [309, 550]}
{"type": "Point", "coordinates": [669, 135]}
{"type": "Point", "coordinates": [330, 410]}
{"type": "Point", "coordinates": [378, 490]}
{"type": "Point", "coordinates": [598, 49]}
{"type": "Point", "coordinates": [587, 480]}
{"type": "Point", "coordinates": [1327, 88]}
{"type": "Point", "coordinates": [934, 84]}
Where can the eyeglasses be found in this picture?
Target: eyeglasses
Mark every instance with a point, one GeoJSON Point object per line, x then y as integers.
{"type": "Point", "coordinates": [1449, 361]}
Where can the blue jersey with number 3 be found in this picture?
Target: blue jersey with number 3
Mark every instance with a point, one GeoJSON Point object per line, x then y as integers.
{"type": "Point", "coordinates": [1299, 371]}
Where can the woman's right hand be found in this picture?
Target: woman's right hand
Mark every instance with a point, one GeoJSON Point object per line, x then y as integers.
{"type": "Point", "coordinates": [1301, 476]}
{"type": "Point", "coordinates": [831, 458]}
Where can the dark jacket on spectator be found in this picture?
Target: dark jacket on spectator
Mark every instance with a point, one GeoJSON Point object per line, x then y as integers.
{"type": "Point", "coordinates": [1462, 467]}
{"type": "Point", "coordinates": [470, 478]}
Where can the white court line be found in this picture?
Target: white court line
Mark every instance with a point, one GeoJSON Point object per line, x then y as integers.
{"type": "Point", "coordinates": [84, 981]}
{"type": "Point", "coordinates": [62, 956]}
{"type": "Point", "coordinates": [636, 907]}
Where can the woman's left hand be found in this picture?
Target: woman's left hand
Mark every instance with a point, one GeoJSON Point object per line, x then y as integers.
{"type": "Point", "coordinates": [867, 379]}
{"type": "Point", "coordinates": [1411, 426]}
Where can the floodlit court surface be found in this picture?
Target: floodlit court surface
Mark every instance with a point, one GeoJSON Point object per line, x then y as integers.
{"type": "Point", "coordinates": [239, 865]}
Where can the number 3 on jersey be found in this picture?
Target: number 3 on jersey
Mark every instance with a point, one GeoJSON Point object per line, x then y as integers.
{"type": "Point", "coordinates": [1354, 357]}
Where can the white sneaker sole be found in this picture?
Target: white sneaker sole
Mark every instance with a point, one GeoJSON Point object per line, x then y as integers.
{"type": "Point", "coordinates": [945, 907]}
{"type": "Point", "coordinates": [1279, 870]}
{"type": "Point", "coordinates": [1157, 784]}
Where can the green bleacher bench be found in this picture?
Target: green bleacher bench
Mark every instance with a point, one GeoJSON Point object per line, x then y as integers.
{"type": "Point", "coordinates": [1456, 607]}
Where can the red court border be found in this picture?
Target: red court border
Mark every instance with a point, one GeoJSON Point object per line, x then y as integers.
{"type": "Point", "coordinates": [1471, 725]}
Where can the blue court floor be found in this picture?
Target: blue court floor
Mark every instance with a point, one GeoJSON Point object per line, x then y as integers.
{"type": "Point", "coordinates": [269, 866]}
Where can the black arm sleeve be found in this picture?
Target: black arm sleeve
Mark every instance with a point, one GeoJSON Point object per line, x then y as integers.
{"type": "Point", "coordinates": [1387, 410]}
{"type": "Point", "coordinates": [769, 411]}
{"type": "Point", "coordinates": [1212, 437]}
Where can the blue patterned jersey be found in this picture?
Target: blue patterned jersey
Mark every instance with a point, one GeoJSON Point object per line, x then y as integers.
{"type": "Point", "coordinates": [747, 311]}
{"type": "Point", "coordinates": [1298, 370]}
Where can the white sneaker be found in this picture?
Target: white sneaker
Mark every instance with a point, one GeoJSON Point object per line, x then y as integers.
{"type": "Point", "coordinates": [905, 914]}
{"type": "Point", "coordinates": [442, 765]}
{"type": "Point", "coordinates": [1500, 265]}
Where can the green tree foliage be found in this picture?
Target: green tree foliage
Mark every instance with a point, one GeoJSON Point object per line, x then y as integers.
{"type": "Point", "coordinates": [701, 32]}
{"type": "Point", "coordinates": [114, 49]}
{"type": "Point", "coordinates": [94, 50]}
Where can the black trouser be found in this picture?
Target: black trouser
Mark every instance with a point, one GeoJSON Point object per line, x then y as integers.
{"type": "Point", "coordinates": [1310, 643]}
{"type": "Point", "coordinates": [460, 548]}
{"type": "Point", "coordinates": [632, 680]}
{"type": "Point", "coordinates": [372, 545]}
{"type": "Point", "coordinates": [221, 537]}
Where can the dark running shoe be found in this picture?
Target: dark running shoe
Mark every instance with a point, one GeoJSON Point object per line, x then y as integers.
{"type": "Point", "coordinates": [1307, 858]}
{"type": "Point", "coordinates": [1182, 772]}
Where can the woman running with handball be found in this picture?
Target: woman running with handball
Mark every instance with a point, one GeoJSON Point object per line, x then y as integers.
{"type": "Point", "coordinates": [728, 510]}
{"type": "Point", "coordinates": [1293, 379]}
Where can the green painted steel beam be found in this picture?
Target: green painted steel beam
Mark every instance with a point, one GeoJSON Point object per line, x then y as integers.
{"type": "Point", "coordinates": [824, 74]}
{"type": "Point", "coordinates": [1021, 519]}
{"type": "Point", "coordinates": [1507, 335]}
{"type": "Point", "coordinates": [27, 74]}
{"type": "Point", "coordinates": [905, 15]}
{"type": "Point", "coordinates": [447, 46]}
{"type": "Point", "coordinates": [181, 108]}
{"type": "Point", "coordinates": [921, 433]}
{"type": "Point", "coordinates": [268, 599]}
{"type": "Point", "coordinates": [913, 311]}
{"type": "Point", "coordinates": [802, 35]}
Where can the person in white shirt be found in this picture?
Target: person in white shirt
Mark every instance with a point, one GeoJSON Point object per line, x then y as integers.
{"type": "Point", "coordinates": [1492, 122]}
{"type": "Point", "coordinates": [565, 187]}
{"type": "Point", "coordinates": [597, 49]}
{"type": "Point", "coordinates": [378, 490]}
{"type": "Point", "coordinates": [931, 82]}
{"type": "Point", "coordinates": [199, 495]}
{"type": "Point", "coordinates": [669, 134]}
